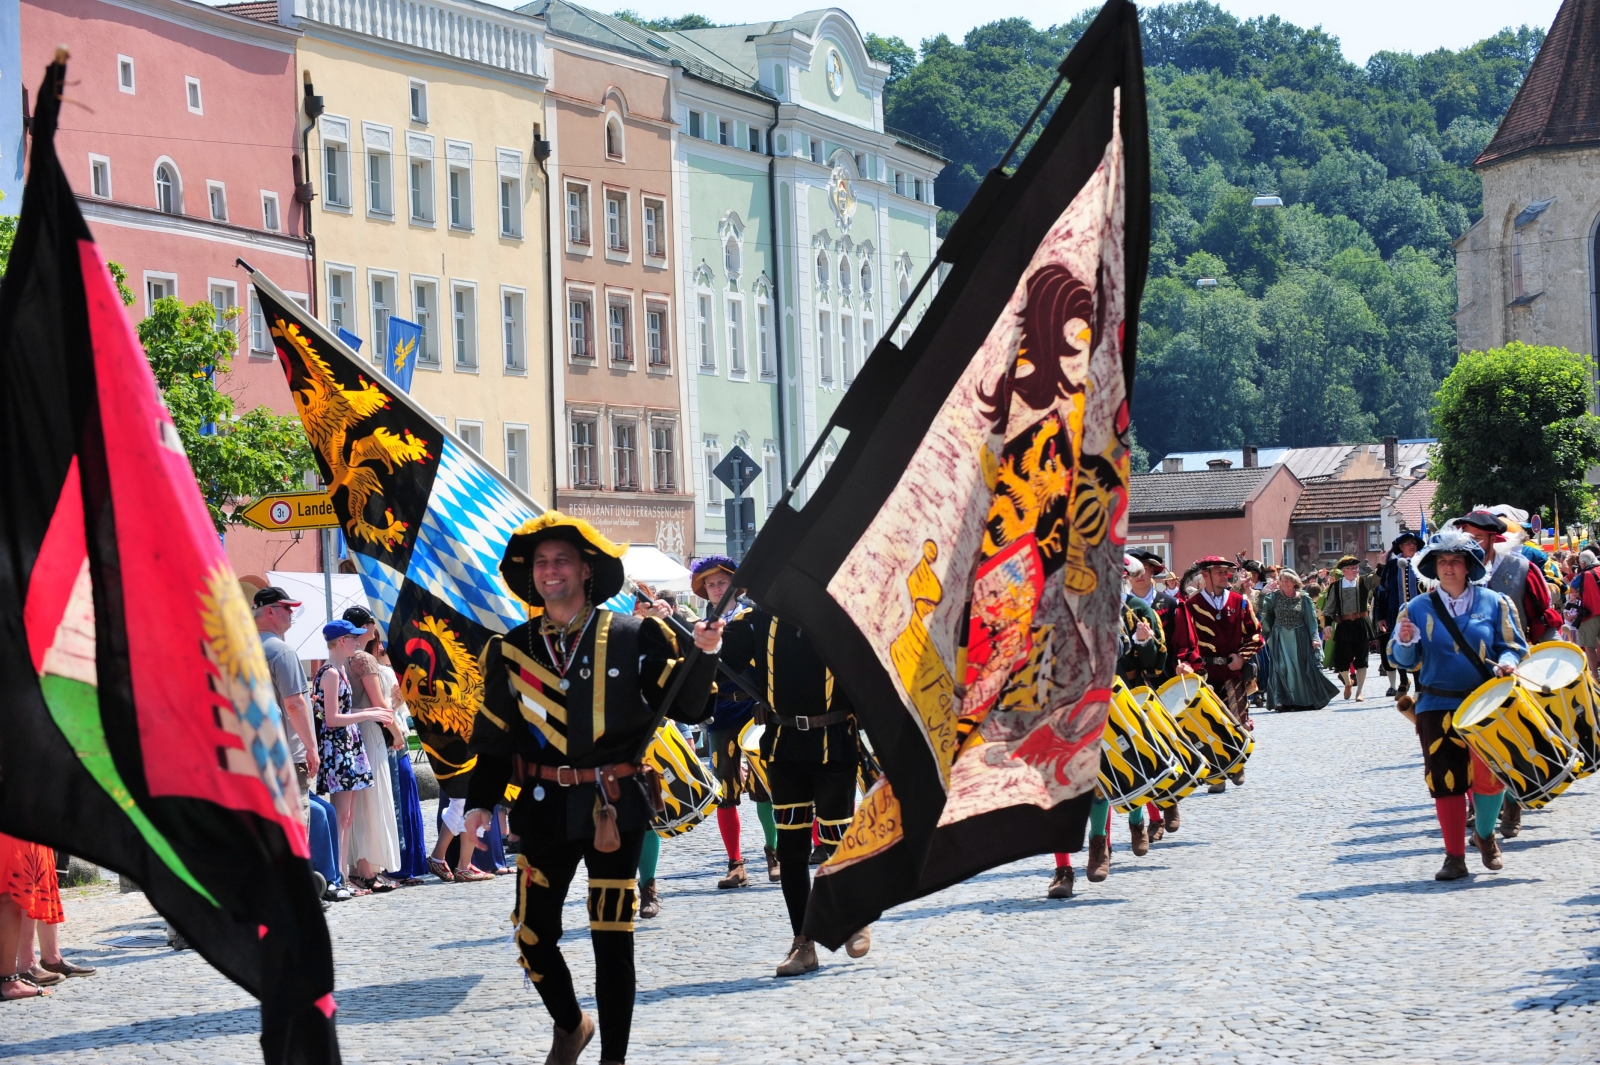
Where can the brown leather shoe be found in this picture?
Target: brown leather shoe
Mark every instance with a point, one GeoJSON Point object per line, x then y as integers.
{"type": "Point", "coordinates": [1237, 776]}
{"type": "Point", "coordinates": [1511, 818]}
{"type": "Point", "coordinates": [1141, 840]}
{"type": "Point", "coordinates": [1172, 819]}
{"type": "Point", "coordinates": [858, 945]}
{"type": "Point", "coordinates": [569, 1045]}
{"type": "Point", "coordinates": [802, 958]}
{"type": "Point", "coordinates": [1157, 831]}
{"type": "Point", "coordinates": [1061, 886]}
{"type": "Point", "coordinates": [1489, 850]}
{"type": "Point", "coordinates": [1454, 868]}
{"type": "Point", "coordinates": [1099, 858]}
{"type": "Point", "coordinates": [1217, 788]}
{"type": "Point", "coordinates": [774, 871]}
{"type": "Point", "coordinates": [649, 900]}
{"type": "Point", "coordinates": [736, 877]}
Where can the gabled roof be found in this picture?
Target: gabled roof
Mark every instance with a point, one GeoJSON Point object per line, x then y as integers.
{"type": "Point", "coordinates": [1558, 105]}
{"type": "Point", "coordinates": [1360, 500]}
{"type": "Point", "coordinates": [1194, 493]}
{"type": "Point", "coordinates": [1414, 502]}
{"type": "Point", "coordinates": [260, 10]}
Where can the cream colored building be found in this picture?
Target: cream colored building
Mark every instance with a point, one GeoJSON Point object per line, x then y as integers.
{"type": "Point", "coordinates": [430, 205]}
{"type": "Point", "coordinates": [1529, 269]}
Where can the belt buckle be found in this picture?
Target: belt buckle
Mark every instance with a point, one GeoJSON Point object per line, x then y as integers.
{"type": "Point", "coordinates": [560, 769]}
{"type": "Point", "coordinates": [802, 723]}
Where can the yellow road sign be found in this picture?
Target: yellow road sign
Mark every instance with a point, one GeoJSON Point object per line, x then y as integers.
{"type": "Point", "coordinates": [293, 510]}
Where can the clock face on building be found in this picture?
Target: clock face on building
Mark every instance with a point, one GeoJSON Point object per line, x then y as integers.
{"type": "Point", "coordinates": [835, 72]}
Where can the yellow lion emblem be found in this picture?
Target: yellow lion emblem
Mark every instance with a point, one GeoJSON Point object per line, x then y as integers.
{"type": "Point", "coordinates": [328, 411]}
{"type": "Point", "coordinates": [438, 700]}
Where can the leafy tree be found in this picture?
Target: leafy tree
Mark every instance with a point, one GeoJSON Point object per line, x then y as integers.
{"type": "Point", "coordinates": [8, 236]}
{"type": "Point", "coordinates": [681, 22]}
{"type": "Point", "coordinates": [233, 456]}
{"type": "Point", "coordinates": [1514, 427]}
{"type": "Point", "coordinates": [900, 56]}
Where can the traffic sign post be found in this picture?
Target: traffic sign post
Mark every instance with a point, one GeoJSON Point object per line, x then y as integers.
{"type": "Point", "coordinates": [738, 471]}
{"type": "Point", "coordinates": [292, 510]}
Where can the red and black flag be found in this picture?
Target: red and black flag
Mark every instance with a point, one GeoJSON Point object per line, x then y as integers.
{"type": "Point", "coordinates": [959, 567]}
{"type": "Point", "coordinates": [137, 721]}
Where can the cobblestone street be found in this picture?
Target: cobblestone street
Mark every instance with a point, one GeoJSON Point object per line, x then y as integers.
{"type": "Point", "coordinates": [1293, 919]}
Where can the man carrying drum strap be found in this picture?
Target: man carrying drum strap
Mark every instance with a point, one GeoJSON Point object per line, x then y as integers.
{"type": "Point", "coordinates": [1436, 638]}
{"type": "Point", "coordinates": [1228, 636]}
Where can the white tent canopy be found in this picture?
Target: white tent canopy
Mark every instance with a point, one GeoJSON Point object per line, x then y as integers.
{"type": "Point", "coordinates": [649, 564]}
{"type": "Point", "coordinates": [305, 633]}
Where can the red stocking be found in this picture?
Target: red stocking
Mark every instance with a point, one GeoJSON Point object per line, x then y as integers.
{"type": "Point", "coordinates": [1452, 811]}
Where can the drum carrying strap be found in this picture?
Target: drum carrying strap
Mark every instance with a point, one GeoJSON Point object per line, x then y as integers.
{"type": "Point", "coordinates": [1454, 630]}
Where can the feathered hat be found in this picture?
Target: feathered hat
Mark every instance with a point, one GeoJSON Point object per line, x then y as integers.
{"type": "Point", "coordinates": [1450, 542]}
{"type": "Point", "coordinates": [603, 556]}
{"type": "Point", "coordinates": [707, 566]}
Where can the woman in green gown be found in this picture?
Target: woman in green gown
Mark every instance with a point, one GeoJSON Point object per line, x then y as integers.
{"type": "Point", "coordinates": [1289, 627]}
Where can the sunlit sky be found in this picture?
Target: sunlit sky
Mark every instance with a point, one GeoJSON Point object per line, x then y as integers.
{"type": "Point", "coordinates": [1362, 26]}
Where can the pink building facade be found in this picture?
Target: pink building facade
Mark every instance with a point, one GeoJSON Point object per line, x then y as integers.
{"type": "Point", "coordinates": [1187, 516]}
{"type": "Point", "coordinates": [184, 160]}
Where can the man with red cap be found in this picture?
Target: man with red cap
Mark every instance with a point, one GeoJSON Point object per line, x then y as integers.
{"type": "Point", "coordinates": [1228, 636]}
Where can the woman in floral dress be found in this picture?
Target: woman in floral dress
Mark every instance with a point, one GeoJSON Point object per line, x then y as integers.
{"type": "Point", "coordinates": [345, 769]}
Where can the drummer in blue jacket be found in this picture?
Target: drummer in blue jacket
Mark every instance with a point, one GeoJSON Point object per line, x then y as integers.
{"type": "Point", "coordinates": [1446, 674]}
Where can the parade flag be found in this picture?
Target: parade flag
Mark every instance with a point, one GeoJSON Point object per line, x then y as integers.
{"type": "Point", "coordinates": [959, 565]}
{"type": "Point", "coordinates": [351, 341]}
{"type": "Point", "coordinates": [138, 726]}
{"type": "Point", "coordinates": [404, 339]}
{"type": "Point", "coordinates": [425, 518]}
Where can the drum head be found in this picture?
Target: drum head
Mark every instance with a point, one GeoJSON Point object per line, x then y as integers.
{"type": "Point", "coordinates": [1178, 692]}
{"type": "Point", "coordinates": [1484, 701]}
{"type": "Point", "coordinates": [750, 737]}
{"type": "Point", "coordinates": [1552, 667]}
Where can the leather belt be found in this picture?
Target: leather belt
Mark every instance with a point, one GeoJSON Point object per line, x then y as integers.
{"type": "Point", "coordinates": [806, 724]}
{"type": "Point", "coordinates": [1352, 617]}
{"type": "Point", "coordinates": [569, 776]}
{"type": "Point", "coordinates": [1220, 660]}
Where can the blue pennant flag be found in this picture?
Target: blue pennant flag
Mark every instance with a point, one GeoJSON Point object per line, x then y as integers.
{"type": "Point", "coordinates": [352, 341]}
{"type": "Point", "coordinates": [405, 347]}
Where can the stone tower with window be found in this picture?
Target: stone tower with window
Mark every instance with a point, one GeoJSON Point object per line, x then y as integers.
{"type": "Point", "coordinates": [1528, 269]}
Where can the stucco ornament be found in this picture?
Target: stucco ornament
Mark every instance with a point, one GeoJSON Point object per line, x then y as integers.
{"type": "Point", "coordinates": [841, 195]}
{"type": "Point", "coordinates": [835, 70]}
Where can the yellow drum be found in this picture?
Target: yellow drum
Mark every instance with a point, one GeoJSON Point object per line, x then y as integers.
{"type": "Point", "coordinates": [1556, 676]}
{"type": "Point", "coordinates": [1207, 724]}
{"type": "Point", "coordinates": [687, 786]}
{"type": "Point", "coordinates": [1135, 762]}
{"type": "Point", "coordinates": [1193, 762]}
{"type": "Point", "coordinates": [1519, 741]}
{"type": "Point", "coordinates": [750, 744]}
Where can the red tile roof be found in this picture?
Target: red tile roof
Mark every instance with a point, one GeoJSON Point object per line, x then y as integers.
{"type": "Point", "coordinates": [260, 10]}
{"type": "Point", "coordinates": [1558, 105]}
{"type": "Point", "coordinates": [1360, 500]}
{"type": "Point", "coordinates": [1413, 502]}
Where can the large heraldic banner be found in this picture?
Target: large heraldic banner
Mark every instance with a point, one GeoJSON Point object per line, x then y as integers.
{"type": "Point", "coordinates": [960, 565]}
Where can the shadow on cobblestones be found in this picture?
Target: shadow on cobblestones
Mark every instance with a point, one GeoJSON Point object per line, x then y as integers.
{"type": "Point", "coordinates": [1395, 768]}
{"type": "Point", "coordinates": [1392, 837]}
{"type": "Point", "coordinates": [711, 988]}
{"type": "Point", "coordinates": [1414, 887]}
{"type": "Point", "coordinates": [1404, 809]}
{"type": "Point", "coordinates": [1512, 846]}
{"type": "Point", "coordinates": [463, 944]}
{"type": "Point", "coordinates": [1391, 822]}
{"type": "Point", "coordinates": [1582, 986]}
{"type": "Point", "coordinates": [1384, 856]}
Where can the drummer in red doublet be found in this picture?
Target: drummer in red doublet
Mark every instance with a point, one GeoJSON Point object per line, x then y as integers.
{"type": "Point", "coordinates": [1228, 635]}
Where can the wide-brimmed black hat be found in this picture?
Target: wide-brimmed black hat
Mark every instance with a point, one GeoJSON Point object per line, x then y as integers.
{"type": "Point", "coordinates": [1153, 563]}
{"type": "Point", "coordinates": [603, 556]}
{"type": "Point", "coordinates": [1348, 560]}
{"type": "Point", "coordinates": [1415, 538]}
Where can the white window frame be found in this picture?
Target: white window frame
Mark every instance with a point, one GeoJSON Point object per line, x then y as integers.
{"type": "Point", "coordinates": [192, 97]}
{"type": "Point", "coordinates": [653, 216]}
{"type": "Point", "coordinates": [513, 330]}
{"type": "Point", "coordinates": [618, 422]}
{"type": "Point", "coordinates": [725, 131]}
{"type": "Point", "coordinates": [426, 315]}
{"type": "Point", "coordinates": [824, 347]}
{"type": "Point", "coordinates": [334, 136]}
{"type": "Point", "coordinates": [614, 122]}
{"type": "Point", "coordinates": [732, 256]}
{"type": "Point", "coordinates": [621, 301]}
{"type": "Point", "coordinates": [1266, 553]}
{"type": "Point", "coordinates": [469, 430]}
{"type": "Point", "coordinates": [663, 340]}
{"type": "Point", "coordinates": [417, 92]}
{"type": "Point", "coordinates": [696, 126]}
{"type": "Point", "coordinates": [711, 454]}
{"type": "Point", "coordinates": [125, 66]}
{"type": "Point", "coordinates": [618, 246]}
{"type": "Point", "coordinates": [458, 184]}
{"type": "Point", "coordinates": [377, 171]}
{"type": "Point", "coordinates": [766, 360]}
{"type": "Point", "coordinates": [1374, 537]}
{"type": "Point", "coordinates": [160, 277]}
{"type": "Point", "coordinates": [669, 483]}
{"type": "Point", "coordinates": [216, 192]}
{"type": "Point", "coordinates": [99, 174]}
{"type": "Point", "coordinates": [272, 222]}
{"type": "Point", "coordinates": [258, 341]}
{"type": "Point", "coordinates": [517, 457]}
{"type": "Point", "coordinates": [577, 213]}
{"type": "Point", "coordinates": [1336, 540]}
{"type": "Point", "coordinates": [421, 209]}
{"type": "Point", "coordinates": [738, 357]}
{"type": "Point", "coordinates": [380, 337]}
{"type": "Point", "coordinates": [346, 274]}
{"type": "Point", "coordinates": [869, 340]}
{"type": "Point", "coordinates": [1288, 554]}
{"type": "Point", "coordinates": [705, 335]}
{"type": "Point", "coordinates": [847, 361]}
{"type": "Point", "coordinates": [508, 203]}
{"type": "Point", "coordinates": [586, 297]}
{"type": "Point", "coordinates": [771, 472]}
{"type": "Point", "coordinates": [593, 448]}
{"type": "Point", "coordinates": [231, 297]}
{"type": "Point", "coordinates": [177, 185]}
{"type": "Point", "coordinates": [464, 327]}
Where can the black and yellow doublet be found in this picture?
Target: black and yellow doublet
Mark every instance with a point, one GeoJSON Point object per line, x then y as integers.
{"type": "Point", "coordinates": [602, 712]}
{"type": "Point", "coordinates": [810, 742]}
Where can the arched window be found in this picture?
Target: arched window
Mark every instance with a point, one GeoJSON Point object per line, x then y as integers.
{"type": "Point", "coordinates": [822, 268]}
{"type": "Point", "coordinates": [169, 194]}
{"type": "Point", "coordinates": [844, 274]}
{"type": "Point", "coordinates": [730, 256]}
{"type": "Point", "coordinates": [866, 279]}
{"type": "Point", "coordinates": [613, 138]}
